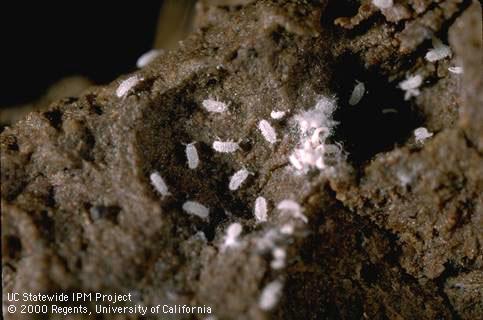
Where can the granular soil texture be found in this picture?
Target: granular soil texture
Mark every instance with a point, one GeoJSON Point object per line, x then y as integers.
{"type": "Point", "coordinates": [390, 229]}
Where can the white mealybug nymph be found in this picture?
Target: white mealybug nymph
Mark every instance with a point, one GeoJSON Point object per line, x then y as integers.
{"type": "Point", "coordinates": [225, 146]}
{"type": "Point", "coordinates": [147, 58]}
{"type": "Point", "coordinates": [382, 4]}
{"type": "Point", "coordinates": [192, 155]}
{"type": "Point", "coordinates": [421, 134]}
{"type": "Point", "coordinates": [455, 70]}
{"type": "Point", "coordinates": [270, 295]}
{"type": "Point", "coordinates": [214, 106]}
{"type": "Point", "coordinates": [196, 208]}
{"type": "Point", "coordinates": [411, 85]}
{"type": "Point", "coordinates": [293, 208]}
{"type": "Point", "coordinates": [276, 114]}
{"type": "Point", "coordinates": [316, 125]}
{"type": "Point", "coordinates": [439, 51]}
{"type": "Point", "coordinates": [238, 178]}
{"type": "Point", "coordinates": [127, 85]}
{"type": "Point", "coordinates": [287, 229]}
{"type": "Point", "coordinates": [268, 131]}
{"type": "Point", "coordinates": [158, 183]}
{"type": "Point", "coordinates": [261, 209]}
{"type": "Point", "coordinates": [279, 256]}
{"type": "Point", "coordinates": [232, 233]}
{"type": "Point", "coordinates": [357, 93]}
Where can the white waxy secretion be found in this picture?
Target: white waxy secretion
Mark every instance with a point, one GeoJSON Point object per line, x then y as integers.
{"type": "Point", "coordinates": [421, 134]}
{"type": "Point", "coordinates": [261, 209]}
{"type": "Point", "coordinates": [357, 93]}
{"type": "Point", "coordinates": [127, 85]}
{"type": "Point", "coordinates": [276, 114]}
{"type": "Point", "coordinates": [214, 106]}
{"type": "Point", "coordinates": [319, 116]}
{"type": "Point", "coordinates": [237, 179]}
{"type": "Point", "coordinates": [270, 295]}
{"type": "Point", "coordinates": [455, 70]}
{"type": "Point", "coordinates": [147, 58]}
{"type": "Point", "coordinates": [196, 208]}
{"type": "Point", "coordinates": [293, 208]}
{"type": "Point", "coordinates": [411, 86]}
{"type": "Point", "coordinates": [411, 82]}
{"type": "Point", "coordinates": [192, 155]}
{"type": "Point", "coordinates": [439, 51]}
{"type": "Point", "coordinates": [268, 131]}
{"type": "Point", "coordinates": [232, 233]}
{"type": "Point", "coordinates": [225, 146]}
{"type": "Point", "coordinates": [383, 4]}
{"type": "Point", "coordinates": [158, 183]}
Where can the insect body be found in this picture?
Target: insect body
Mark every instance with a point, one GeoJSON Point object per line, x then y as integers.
{"type": "Point", "coordinates": [237, 179]}
{"type": "Point", "coordinates": [260, 209]}
{"type": "Point", "coordinates": [127, 85]}
{"type": "Point", "coordinates": [268, 131]}
{"type": "Point", "coordinates": [158, 182]}
{"type": "Point", "coordinates": [196, 208]}
{"type": "Point", "coordinates": [225, 146]}
{"type": "Point", "coordinates": [192, 155]}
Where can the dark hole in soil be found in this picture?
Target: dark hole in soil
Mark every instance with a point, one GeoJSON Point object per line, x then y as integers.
{"type": "Point", "coordinates": [14, 246]}
{"type": "Point", "coordinates": [55, 118]}
{"type": "Point", "coordinates": [381, 120]}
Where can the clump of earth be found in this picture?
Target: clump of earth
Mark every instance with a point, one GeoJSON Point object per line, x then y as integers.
{"type": "Point", "coordinates": [380, 219]}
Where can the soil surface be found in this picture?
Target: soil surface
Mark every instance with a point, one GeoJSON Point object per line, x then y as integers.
{"type": "Point", "coordinates": [394, 226]}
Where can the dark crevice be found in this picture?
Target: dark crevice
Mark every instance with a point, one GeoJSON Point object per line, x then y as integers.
{"type": "Point", "coordinates": [13, 246]}
{"type": "Point", "coordinates": [45, 224]}
{"type": "Point", "coordinates": [94, 106]}
{"type": "Point", "coordinates": [98, 212]}
{"type": "Point", "coordinates": [55, 118]}
{"type": "Point", "coordinates": [450, 271]}
{"type": "Point", "coordinates": [336, 9]}
{"type": "Point", "coordinates": [366, 128]}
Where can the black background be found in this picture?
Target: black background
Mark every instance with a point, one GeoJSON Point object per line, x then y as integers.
{"type": "Point", "coordinates": [43, 41]}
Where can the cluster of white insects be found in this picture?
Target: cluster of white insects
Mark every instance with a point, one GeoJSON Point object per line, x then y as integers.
{"type": "Point", "coordinates": [193, 161]}
{"type": "Point", "coordinates": [438, 52]}
{"type": "Point", "coordinates": [316, 126]}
